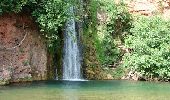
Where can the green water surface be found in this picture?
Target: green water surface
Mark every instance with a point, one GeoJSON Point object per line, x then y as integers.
{"type": "Point", "coordinates": [86, 90]}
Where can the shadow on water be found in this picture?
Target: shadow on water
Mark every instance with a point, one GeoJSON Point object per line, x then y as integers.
{"type": "Point", "coordinates": [70, 91]}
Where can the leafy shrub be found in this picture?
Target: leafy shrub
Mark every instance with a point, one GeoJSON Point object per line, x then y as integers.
{"type": "Point", "coordinates": [117, 22]}
{"type": "Point", "coordinates": [150, 50]}
{"type": "Point", "coordinates": [11, 5]}
{"type": "Point", "coordinates": [107, 52]}
{"type": "Point", "coordinates": [91, 66]}
{"type": "Point", "coordinates": [51, 16]}
{"type": "Point", "coordinates": [14, 5]}
{"type": "Point", "coordinates": [119, 19]}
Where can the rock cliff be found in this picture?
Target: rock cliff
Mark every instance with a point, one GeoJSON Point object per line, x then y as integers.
{"type": "Point", "coordinates": [23, 52]}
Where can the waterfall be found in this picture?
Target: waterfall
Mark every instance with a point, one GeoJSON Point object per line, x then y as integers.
{"type": "Point", "coordinates": [71, 57]}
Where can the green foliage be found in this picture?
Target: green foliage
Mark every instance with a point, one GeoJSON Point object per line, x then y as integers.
{"type": "Point", "coordinates": [14, 5]}
{"type": "Point", "coordinates": [25, 63]}
{"type": "Point", "coordinates": [117, 73]}
{"type": "Point", "coordinates": [107, 52]}
{"type": "Point", "coordinates": [118, 21]}
{"type": "Point", "coordinates": [92, 67]}
{"type": "Point", "coordinates": [51, 16]}
{"type": "Point", "coordinates": [150, 50]}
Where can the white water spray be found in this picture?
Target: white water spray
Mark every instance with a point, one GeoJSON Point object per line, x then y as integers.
{"type": "Point", "coordinates": [71, 58]}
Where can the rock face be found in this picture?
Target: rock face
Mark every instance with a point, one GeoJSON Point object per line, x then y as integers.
{"type": "Point", "coordinates": [149, 7]}
{"type": "Point", "coordinates": [132, 75]}
{"type": "Point", "coordinates": [23, 52]}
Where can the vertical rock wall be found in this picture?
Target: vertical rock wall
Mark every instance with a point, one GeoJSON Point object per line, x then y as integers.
{"type": "Point", "coordinates": [23, 52]}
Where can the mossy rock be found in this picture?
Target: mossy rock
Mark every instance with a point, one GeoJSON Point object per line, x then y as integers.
{"type": "Point", "coordinates": [4, 82]}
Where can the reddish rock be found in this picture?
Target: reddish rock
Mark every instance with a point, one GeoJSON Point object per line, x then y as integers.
{"type": "Point", "coordinates": [21, 47]}
{"type": "Point", "coordinates": [149, 7]}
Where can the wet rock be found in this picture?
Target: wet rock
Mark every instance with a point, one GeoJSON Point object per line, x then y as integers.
{"type": "Point", "coordinates": [132, 75]}
{"type": "Point", "coordinates": [109, 77]}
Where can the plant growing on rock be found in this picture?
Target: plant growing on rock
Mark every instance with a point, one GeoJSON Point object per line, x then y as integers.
{"type": "Point", "coordinates": [118, 22]}
{"type": "Point", "coordinates": [51, 16]}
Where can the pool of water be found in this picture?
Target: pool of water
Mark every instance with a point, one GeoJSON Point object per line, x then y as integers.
{"type": "Point", "coordinates": [86, 90]}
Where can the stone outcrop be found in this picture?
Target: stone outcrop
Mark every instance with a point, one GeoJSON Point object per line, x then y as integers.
{"type": "Point", "coordinates": [132, 75]}
{"type": "Point", "coordinates": [149, 7]}
{"type": "Point", "coordinates": [23, 52]}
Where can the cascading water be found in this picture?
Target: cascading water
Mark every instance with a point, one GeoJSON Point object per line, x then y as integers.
{"type": "Point", "coordinates": [71, 58]}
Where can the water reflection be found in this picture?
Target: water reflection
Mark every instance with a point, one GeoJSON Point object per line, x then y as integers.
{"type": "Point", "coordinates": [86, 90]}
{"type": "Point", "coordinates": [70, 90]}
